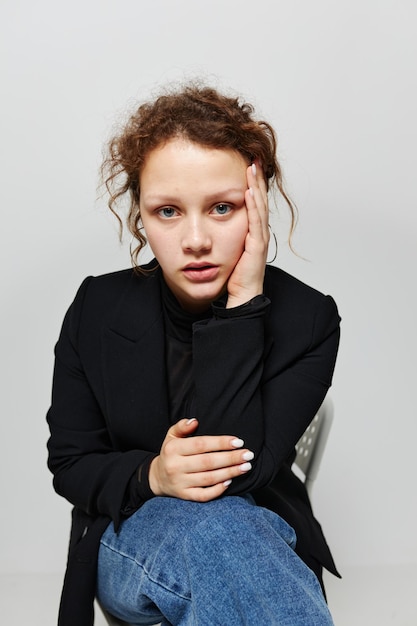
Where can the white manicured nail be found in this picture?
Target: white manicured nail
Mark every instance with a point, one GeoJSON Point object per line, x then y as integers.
{"type": "Point", "coordinates": [248, 456]}
{"type": "Point", "coordinates": [245, 467]}
{"type": "Point", "coordinates": [227, 483]}
{"type": "Point", "coordinates": [237, 443]}
{"type": "Point", "coordinates": [191, 420]}
{"type": "Point", "coordinates": [254, 169]}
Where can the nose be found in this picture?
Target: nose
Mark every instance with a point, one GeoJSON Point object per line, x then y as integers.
{"type": "Point", "coordinates": [196, 236]}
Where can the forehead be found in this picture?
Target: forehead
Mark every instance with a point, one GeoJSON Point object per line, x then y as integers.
{"type": "Point", "coordinates": [179, 159]}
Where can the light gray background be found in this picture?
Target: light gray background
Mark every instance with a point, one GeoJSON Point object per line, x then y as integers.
{"type": "Point", "coordinates": [338, 81]}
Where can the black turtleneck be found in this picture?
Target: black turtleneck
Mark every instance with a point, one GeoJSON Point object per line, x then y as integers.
{"type": "Point", "coordinates": [178, 356]}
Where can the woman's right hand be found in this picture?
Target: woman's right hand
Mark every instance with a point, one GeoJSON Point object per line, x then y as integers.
{"type": "Point", "coordinates": [197, 468]}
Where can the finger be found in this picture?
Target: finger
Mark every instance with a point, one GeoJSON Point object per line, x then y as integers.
{"type": "Point", "coordinates": [202, 444]}
{"type": "Point", "coordinates": [183, 428]}
{"type": "Point", "coordinates": [219, 478]}
{"type": "Point", "coordinates": [257, 199]}
{"type": "Point", "coordinates": [205, 494]}
{"type": "Point", "coordinates": [257, 220]}
{"type": "Point", "coordinates": [212, 461]}
{"type": "Point", "coordinates": [256, 179]}
{"type": "Point", "coordinates": [202, 489]}
{"type": "Point", "coordinates": [214, 477]}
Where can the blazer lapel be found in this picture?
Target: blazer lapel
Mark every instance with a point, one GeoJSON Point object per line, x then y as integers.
{"type": "Point", "coordinates": [133, 356]}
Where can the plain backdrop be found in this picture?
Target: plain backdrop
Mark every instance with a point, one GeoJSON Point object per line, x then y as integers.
{"type": "Point", "coordinates": [338, 82]}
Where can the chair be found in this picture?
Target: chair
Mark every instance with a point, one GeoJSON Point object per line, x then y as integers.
{"type": "Point", "coordinates": [310, 449]}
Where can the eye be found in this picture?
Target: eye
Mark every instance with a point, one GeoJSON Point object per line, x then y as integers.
{"type": "Point", "coordinates": [166, 212]}
{"type": "Point", "coordinates": [222, 209]}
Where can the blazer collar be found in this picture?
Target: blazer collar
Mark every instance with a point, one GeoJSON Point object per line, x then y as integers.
{"type": "Point", "coordinates": [137, 308]}
{"type": "Point", "coordinates": [134, 371]}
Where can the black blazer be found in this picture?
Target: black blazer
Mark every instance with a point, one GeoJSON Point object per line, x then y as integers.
{"type": "Point", "coordinates": [269, 371]}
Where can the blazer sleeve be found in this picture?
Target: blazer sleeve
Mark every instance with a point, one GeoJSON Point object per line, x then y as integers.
{"type": "Point", "coordinates": [87, 469]}
{"type": "Point", "coordinates": [262, 377]}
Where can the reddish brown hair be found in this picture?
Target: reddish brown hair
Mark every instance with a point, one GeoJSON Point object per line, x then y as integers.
{"type": "Point", "coordinates": [198, 114]}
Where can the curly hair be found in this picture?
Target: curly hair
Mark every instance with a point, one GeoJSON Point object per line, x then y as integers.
{"type": "Point", "coordinates": [196, 113]}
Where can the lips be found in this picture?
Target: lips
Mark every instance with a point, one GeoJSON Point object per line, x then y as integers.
{"type": "Point", "coordinates": [201, 272]}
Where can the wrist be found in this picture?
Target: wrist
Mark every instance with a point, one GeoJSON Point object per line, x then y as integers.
{"type": "Point", "coordinates": [235, 301]}
{"type": "Point", "coordinates": [153, 477]}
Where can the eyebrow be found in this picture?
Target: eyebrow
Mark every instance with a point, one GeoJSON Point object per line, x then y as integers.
{"type": "Point", "coordinates": [218, 195]}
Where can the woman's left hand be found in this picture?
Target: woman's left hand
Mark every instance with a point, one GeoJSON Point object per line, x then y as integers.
{"type": "Point", "coordinates": [246, 280]}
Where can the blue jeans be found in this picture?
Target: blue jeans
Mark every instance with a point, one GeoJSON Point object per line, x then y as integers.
{"type": "Point", "coordinates": [227, 561]}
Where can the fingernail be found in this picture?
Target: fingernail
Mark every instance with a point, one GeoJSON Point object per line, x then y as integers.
{"type": "Point", "coordinates": [254, 169]}
{"type": "Point", "coordinates": [251, 191]}
{"type": "Point", "coordinates": [191, 420]}
{"type": "Point", "coordinates": [237, 443]}
{"type": "Point", "coordinates": [248, 456]}
{"type": "Point", "coordinates": [227, 483]}
{"type": "Point", "coordinates": [245, 467]}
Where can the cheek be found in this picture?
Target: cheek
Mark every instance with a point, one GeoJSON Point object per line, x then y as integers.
{"type": "Point", "coordinates": [236, 241]}
{"type": "Point", "coordinates": [155, 238]}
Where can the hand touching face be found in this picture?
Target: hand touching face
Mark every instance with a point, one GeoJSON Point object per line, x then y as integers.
{"type": "Point", "coordinates": [247, 278]}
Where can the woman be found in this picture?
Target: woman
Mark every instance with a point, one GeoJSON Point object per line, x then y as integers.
{"type": "Point", "coordinates": [181, 387]}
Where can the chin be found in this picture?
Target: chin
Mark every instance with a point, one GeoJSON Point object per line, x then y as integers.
{"type": "Point", "coordinates": [210, 295]}
{"type": "Point", "coordinates": [202, 300]}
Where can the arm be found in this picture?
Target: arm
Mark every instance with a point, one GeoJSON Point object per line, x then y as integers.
{"type": "Point", "coordinates": [278, 372]}
{"type": "Point", "coordinates": [87, 470]}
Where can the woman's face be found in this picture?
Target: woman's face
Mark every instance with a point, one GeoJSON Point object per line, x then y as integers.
{"type": "Point", "coordinates": [192, 204]}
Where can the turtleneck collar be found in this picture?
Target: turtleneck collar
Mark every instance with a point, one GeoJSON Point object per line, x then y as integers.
{"type": "Point", "coordinates": [178, 322]}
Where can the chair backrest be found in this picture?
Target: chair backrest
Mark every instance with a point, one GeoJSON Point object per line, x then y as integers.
{"type": "Point", "coordinates": [310, 447]}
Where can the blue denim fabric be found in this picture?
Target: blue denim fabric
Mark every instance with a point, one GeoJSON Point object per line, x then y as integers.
{"type": "Point", "coordinates": [222, 562]}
